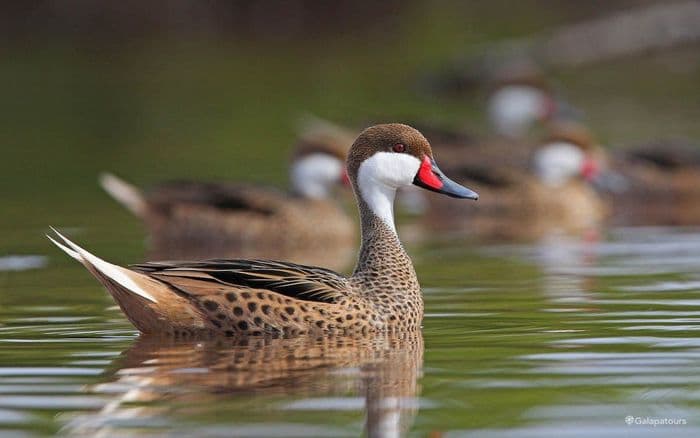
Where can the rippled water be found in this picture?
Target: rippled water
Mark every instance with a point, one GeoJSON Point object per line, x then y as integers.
{"type": "Point", "coordinates": [559, 339]}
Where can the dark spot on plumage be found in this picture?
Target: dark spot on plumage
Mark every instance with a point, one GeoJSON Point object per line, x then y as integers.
{"type": "Point", "coordinates": [348, 317]}
{"type": "Point", "coordinates": [289, 310]}
{"type": "Point", "coordinates": [215, 322]}
{"type": "Point", "coordinates": [211, 305]}
{"type": "Point", "coordinates": [243, 325]}
{"type": "Point", "coordinates": [260, 295]}
{"type": "Point", "coordinates": [257, 320]}
{"type": "Point", "coordinates": [252, 307]}
{"type": "Point", "coordinates": [237, 311]}
{"type": "Point", "coordinates": [246, 295]}
{"type": "Point", "coordinates": [265, 309]}
{"type": "Point", "coordinates": [221, 316]}
{"type": "Point", "coordinates": [231, 296]}
{"type": "Point", "coordinates": [320, 324]}
{"type": "Point", "coordinates": [228, 333]}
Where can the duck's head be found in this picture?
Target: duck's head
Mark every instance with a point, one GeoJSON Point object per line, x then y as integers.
{"type": "Point", "coordinates": [318, 161]}
{"type": "Point", "coordinates": [386, 157]}
{"type": "Point", "coordinates": [514, 107]}
{"type": "Point", "coordinates": [569, 152]}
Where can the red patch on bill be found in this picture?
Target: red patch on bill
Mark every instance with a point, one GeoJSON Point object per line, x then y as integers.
{"type": "Point", "coordinates": [590, 169]}
{"type": "Point", "coordinates": [426, 175]}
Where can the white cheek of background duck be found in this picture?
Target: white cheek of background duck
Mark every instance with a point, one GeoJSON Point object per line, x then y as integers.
{"type": "Point", "coordinates": [558, 162]}
{"type": "Point", "coordinates": [378, 178]}
{"type": "Point", "coordinates": [314, 176]}
{"type": "Point", "coordinates": [513, 108]}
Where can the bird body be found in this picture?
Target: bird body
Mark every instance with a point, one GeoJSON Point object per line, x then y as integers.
{"type": "Point", "coordinates": [526, 197]}
{"type": "Point", "coordinates": [252, 297]}
{"type": "Point", "coordinates": [189, 220]}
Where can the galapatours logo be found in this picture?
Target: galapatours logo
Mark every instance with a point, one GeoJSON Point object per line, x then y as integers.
{"type": "Point", "coordinates": [652, 421]}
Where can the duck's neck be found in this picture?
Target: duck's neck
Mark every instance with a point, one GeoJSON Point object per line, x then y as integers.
{"type": "Point", "coordinates": [383, 263]}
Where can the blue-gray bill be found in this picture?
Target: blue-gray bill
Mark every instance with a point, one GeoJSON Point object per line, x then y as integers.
{"type": "Point", "coordinates": [430, 177]}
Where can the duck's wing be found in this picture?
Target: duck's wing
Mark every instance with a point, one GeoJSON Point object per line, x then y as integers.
{"type": "Point", "coordinates": [219, 196]}
{"type": "Point", "coordinates": [483, 176]}
{"type": "Point", "coordinates": [168, 197]}
{"type": "Point", "coordinates": [442, 135]}
{"type": "Point", "coordinates": [301, 282]}
{"type": "Point", "coordinates": [666, 154]}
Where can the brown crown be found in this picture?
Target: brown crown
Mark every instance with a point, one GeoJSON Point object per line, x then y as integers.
{"type": "Point", "coordinates": [382, 138]}
{"type": "Point", "coordinates": [572, 132]}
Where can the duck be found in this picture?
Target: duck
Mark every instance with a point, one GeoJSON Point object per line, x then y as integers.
{"type": "Point", "coordinates": [518, 98]}
{"type": "Point", "coordinates": [553, 192]}
{"type": "Point", "coordinates": [258, 297]}
{"type": "Point", "coordinates": [199, 220]}
{"type": "Point", "coordinates": [516, 104]}
{"type": "Point", "coordinates": [661, 184]}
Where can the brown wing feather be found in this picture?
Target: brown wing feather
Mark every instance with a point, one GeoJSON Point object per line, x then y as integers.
{"type": "Point", "coordinates": [222, 196]}
{"type": "Point", "coordinates": [297, 281]}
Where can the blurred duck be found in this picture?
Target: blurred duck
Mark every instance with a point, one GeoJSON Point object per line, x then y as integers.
{"type": "Point", "coordinates": [661, 184]}
{"type": "Point", "coordinates": [518, 100]}
{"type": "Point", "coordinates": [520, 103]}
{"type": "Point", "coordinates": [553, 194]}
{"type": "Point", "coordinates": [516, 105]}
{"type": "Point", "coordinates": [197, 220]}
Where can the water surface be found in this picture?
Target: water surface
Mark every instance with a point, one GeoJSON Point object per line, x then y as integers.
{"type": "Point", "coordinates": [559, 338]}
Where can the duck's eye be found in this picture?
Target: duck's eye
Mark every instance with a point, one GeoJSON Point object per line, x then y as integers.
{"type": "Point", "coordinates": [399, 147]}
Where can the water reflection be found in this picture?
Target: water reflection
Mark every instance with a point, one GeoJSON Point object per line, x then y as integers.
{"type": "Point", "coordinates": [377, 376]}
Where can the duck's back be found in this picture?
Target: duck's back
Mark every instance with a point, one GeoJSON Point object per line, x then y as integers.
{"type": "Point", "coordinates": [192, 220]}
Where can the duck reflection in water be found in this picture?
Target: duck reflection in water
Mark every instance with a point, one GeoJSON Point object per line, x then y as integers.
{"type": "Point", "coordinates": [182, 378]}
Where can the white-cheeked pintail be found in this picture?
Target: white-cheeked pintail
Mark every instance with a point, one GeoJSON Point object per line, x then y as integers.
{"type": "Point", "coordinates": [552, 191]}
{"type": "Point", "coordinates": [233, 297]}
{"type": "Point", "coordinates": [190, 220]}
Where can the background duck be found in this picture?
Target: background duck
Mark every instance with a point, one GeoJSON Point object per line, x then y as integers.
{"type": "Point", "coordinates": [199, 220]}
{"type": "Point", "coordinates": [520, 100]}
{"type": "Point", "coordinates": [662, 184]}
{"type": "Point", "coordinates": [524, 202]}
{"type": "Point", "coordinates": [242, 297]}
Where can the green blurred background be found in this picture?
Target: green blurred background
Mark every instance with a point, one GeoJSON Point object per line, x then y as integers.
{"type": "Point", "coordinates": [155, 90]}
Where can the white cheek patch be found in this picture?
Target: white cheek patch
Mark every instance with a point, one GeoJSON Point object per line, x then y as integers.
{"type": "Point", "coordinates": [392, 169]}
{"type": "Point", "coordinates": [558, 162]}
{"type": "Point", "coordinates": [378, 178]}
{"type": "Point", "coordinates": [314, 175]}
{"type": "Point", "coordinates": [512, 108]}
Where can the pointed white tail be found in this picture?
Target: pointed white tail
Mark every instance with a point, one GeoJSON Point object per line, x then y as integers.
{"type": "Point", "coordinates": [115, 273]}
{"type": "Point", "coordinates": [124, 193]}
